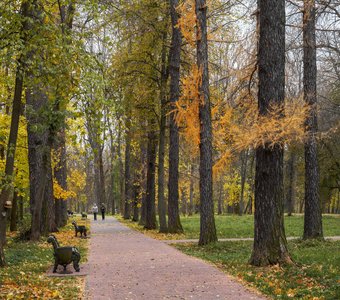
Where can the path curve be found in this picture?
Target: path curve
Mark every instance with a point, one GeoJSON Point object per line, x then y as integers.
{"type": "Point", "coordinates": [125, 264]}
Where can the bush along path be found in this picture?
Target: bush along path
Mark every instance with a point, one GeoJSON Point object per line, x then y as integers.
{"type": "Point", "coordinates": [125, 264]}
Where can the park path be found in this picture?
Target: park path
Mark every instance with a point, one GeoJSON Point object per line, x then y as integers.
{"type": "Point", "coordinates": [125, 264]}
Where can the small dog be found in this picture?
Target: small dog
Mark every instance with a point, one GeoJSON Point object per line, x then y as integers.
{"type": "Point", "coordinates": [84, 215]}
{"type": "Point", "coordinates": [81, 229]}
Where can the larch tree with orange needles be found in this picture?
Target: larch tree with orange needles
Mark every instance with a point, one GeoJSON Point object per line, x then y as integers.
{"type": "Point", "coordinates": [207, 221]}
{"type": "Point", "coordinates": [270, 244]}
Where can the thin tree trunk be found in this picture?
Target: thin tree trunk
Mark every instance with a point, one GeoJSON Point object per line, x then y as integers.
{"type": "Point", "coordinates": [162, 132]}
{"type": "Point", "coordinates": [174, 223]}
{"type": "Point", "coordinates": [60, 174]}
{"type": "Point", "coordinates": [313, 217]}
{"type": "Point", "coordinates": [127, 198]}
{"type": "Point", "coordinates": [10, 157]}
{"type": "Point", "coordinates": [143, 184]}
{"type": "Point", "coordinates": [207, 228]}
{"type": "Point", "coordinates": [291, 183]}
{"type": "Point", "coordinates": [191, 192]}
{"type": "Point", "coordinates": [244, 161]}
{"type": "Point", "coordinates": [21, 208]}
{"type": "Point", "coordinates": [270, 245]}
{"type": "Point", "coordinates": [220, 199]}
{"type": "Point", "coordinates": [121, 170]}
{"type": "Point", "coordinates": [14, 213]}
{"type": "Point", "coordinates": [150, 222]}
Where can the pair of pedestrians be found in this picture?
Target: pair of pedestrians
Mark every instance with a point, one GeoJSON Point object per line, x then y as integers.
{"type": "Point", "coordinates": [95, 211]}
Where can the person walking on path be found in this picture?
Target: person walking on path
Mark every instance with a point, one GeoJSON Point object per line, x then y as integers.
{"type": "Point", "coordinates": [95, 211]}
{"type": "Point", "coordinates": [103, 209]}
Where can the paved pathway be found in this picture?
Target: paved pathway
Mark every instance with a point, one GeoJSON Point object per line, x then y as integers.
{"type": "Point", "coordinates": [124, 264]}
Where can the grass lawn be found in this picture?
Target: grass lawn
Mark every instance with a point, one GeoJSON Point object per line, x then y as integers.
{"type": "Point", "coordinates": [24, 277]}
{"type": "Point", "coordinates": [316, 274]}
{"type": "Point", "coordinates": [233, 226]}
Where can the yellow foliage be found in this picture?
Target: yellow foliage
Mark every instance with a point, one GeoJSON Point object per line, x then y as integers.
{"type": "Point", "coordinates": [60, 193]}
{"type": "Point", "coordinates": [187, 21]}
{"type": "Point", "coordinates": [187, 108]}
{"type": "Point", "coordinates": [21, 173]}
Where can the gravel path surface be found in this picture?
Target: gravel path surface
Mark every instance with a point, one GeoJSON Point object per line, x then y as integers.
{"type": "Point", "coordinates": [124, 264]}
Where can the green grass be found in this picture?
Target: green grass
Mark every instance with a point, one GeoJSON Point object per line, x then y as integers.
{"type": "Point", "coordinates": [231, 226]}
{"type": "Point", "coordinates": [24, 277]}
{"type": "Point", "coordinates": [316, 274]}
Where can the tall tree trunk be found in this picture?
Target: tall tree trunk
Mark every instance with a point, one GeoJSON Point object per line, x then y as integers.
{"type": "Point", "coordinates": [6, 192]}
{"type": "Point", "coordinates": [59, 145]}
{"type": "Point", "coordinates": [49, 221]}
{"type": "Point", "coordinates": [162, 132]}
{"type": "Point", "coordinates": [121, 169]}
{"type": "Point", "coordinates": [220, 199]}
{"type": "Point", "coordinates": [143, 184]}
{"type": "Point", "coordinates": [244, 162]}
{"type": "Point", "coordinates": [174, 223]}
{"type": "Point", "coordinates": [39, 152]}
{"type": "Point", "coordinates": [21, 208]}
{"type": "Point", "coordinates": [191, 191]}
{"type": "Point", "coordinates": [270, 245]}
{"type": "Point", "coordinates": [128, 185]}
{"type": "Point", "coordinates": [291, 183]}
{"type": "Point", "coordinates": [60, 174]}
{"type": "Point", "coordinates": [150, 222]}
{"type": "Point", "coordinates": [10, 157]}
{"type": "Point", "coordinates": [207, 228]}
{"type": "Point", "coordinates": [313, 217]}
{"type": "Point", "coordinates": [14, 213]}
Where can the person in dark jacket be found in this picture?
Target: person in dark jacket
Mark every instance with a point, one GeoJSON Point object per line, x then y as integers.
{"type": "Point", "coordinates": [103, 209]}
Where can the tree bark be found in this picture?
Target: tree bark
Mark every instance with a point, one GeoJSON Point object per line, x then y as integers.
{"type": "Point", "coordinates": [150, 222]}
{"type": "Point", "coordinates": [313, 217]}
{"type": "Point", "coordinates": [14, 213]}
{"type": "Point", "coordinates": [291, 183]}
{"type": "Point", "coordinates": [162, 132]}
{"type": "Point", "coordinates": [191, 192]}
{"type": "Point", "coordinates": [270, 245]}
{"type": "Point", "coordinates": [39, 155]}
{"type": "Point", "coordinates": [244, 162]}
{"type": "Point", "coordinates": [174, 223]}
{"type": "Point", "coordinates": [60, 174]}
{"type": "Point", "coordinates": [207, 227]}
{"type": "Point", "coordinates": [127, 189]}
{"type": "Point", "coordinates": [220, 199]}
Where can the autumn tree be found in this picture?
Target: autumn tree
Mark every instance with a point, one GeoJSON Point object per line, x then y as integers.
{"type": "Point", "coordinates": [174, 224]}
{"type": "Point", "coordinates": [25, 14]}
{"type": "Point", "coordinates": [270, 245]}
{"type": "Point", "coordinates": [207, 224]}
